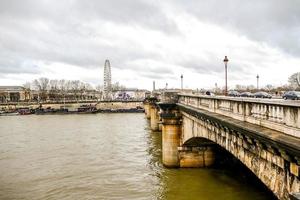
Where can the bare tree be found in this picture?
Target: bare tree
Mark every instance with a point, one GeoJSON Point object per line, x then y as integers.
{"type": "Point", "coordinates": [27, 85]}
{"type": "Point", "coordinates": [62, 88]}
{"type": "Point", "coordinates": [53, 85]}
{"type": "Point", "coordinates": [75, 85]}
{"type": "Point", "coordinates": [82, 89]}
{"type": "Point", "coordinates": [250, 88]}
{"type": "Point", "coordinates": [41, 85]}
{"type": "Point", "coordinates": [294, 80]}
{"type": "Point", "coordinates": [54, 89]}
{"type": "Point", "coordinates": [269, 87]}
{"type": "Point", "coordinates": [88, 86]}
{"type": "Point", "coordinates": [240, 87]}
{"type": "Point", "coordinates": [117, 86]}
{"type": "Point", "coordinates": [99, 88]}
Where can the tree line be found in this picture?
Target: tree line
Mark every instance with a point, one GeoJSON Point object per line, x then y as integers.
{"type": "Point", "coordinates": [293, 84]}
{"type": "Point", "coordinates": [57, 89]}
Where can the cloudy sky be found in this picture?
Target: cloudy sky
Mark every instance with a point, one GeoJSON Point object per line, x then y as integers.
{"type": "Point", "coordinates": [148, 40]}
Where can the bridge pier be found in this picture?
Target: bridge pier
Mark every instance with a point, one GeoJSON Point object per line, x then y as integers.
{"type": "Point", "coordinates": [196, 156]}
{"type": "Point", "coordinates": [147, 110]}
{"type": "Point", "coordinates": [154, 117]}
{"type": "Point", "coordinates": [174, 153]}
{"type": "Point", "coordinates": [171, 131]}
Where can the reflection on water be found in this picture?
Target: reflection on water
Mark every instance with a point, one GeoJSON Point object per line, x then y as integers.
{"type": "Point", "coordinates": [103, 156]}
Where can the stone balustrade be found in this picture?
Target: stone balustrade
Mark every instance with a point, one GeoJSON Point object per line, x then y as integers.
{"type": "Point", "coordinates": [283, 116]}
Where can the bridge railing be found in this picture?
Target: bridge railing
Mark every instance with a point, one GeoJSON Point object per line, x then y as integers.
{"type": "Point", "coordinates": [277, 115]}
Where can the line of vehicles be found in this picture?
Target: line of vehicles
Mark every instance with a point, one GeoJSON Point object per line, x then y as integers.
{"type": "Point", "coordinates": [293, 95]}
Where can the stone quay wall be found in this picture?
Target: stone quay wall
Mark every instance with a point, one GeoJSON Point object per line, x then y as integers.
{"type": "Point", "coordinates": [112, 105]}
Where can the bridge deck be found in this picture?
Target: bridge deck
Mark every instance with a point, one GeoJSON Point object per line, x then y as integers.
{"type": "Point", "coordinates": [275, 138]}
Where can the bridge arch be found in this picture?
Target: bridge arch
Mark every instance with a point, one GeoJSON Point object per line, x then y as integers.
{"type": "Point", "coordinates": [197, 141]}
{"type": "Point", "coordinates": [262, 160]}
{"type": "Point", "coordinates": [197, 152]}
{"type": "Point", "coordinates": [227, 161]}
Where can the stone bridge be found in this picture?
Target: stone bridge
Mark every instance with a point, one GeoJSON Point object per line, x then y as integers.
{"type": "Point", "coordinates": [263, 134]}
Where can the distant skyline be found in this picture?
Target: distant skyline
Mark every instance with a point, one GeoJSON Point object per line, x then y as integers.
{"type": "Point", "coordinates": [150, 40]}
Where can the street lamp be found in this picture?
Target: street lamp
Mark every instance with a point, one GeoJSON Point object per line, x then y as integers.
{"type": "Point", "coordinates": [181, 81]}
{"type": "Point", "coordinates": [257, 78]}
{"type": "Point", "coordinates": [225, 61]}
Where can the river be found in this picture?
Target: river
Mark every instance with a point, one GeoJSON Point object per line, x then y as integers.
{"type": "Point", "coordinates": [101, 156]}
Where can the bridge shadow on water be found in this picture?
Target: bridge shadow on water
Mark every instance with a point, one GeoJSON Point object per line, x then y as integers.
{"type": "Point", "coordinates": [227, 179]}
{"type": "Point", "coordinates": [233, 167]}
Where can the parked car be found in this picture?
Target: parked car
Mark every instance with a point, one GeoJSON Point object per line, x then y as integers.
{"type": "Point", "coordinates": [262, 95]}
{"type": "Point", "coordinates": [233, 93]}
{"type": "Point", "coordinates": [209, 93]}
{"type": "Point", "coordinates": [246, 94]}
{"type": "Point", "coordinates": [294, 95]}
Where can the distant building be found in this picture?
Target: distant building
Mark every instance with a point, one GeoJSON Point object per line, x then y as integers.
{"type": "Point", "coordinates": [13, 94]}
{"type": "Point", "coordinates": [129, 94]}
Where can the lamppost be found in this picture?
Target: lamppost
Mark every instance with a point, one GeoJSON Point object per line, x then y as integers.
{"type": "Point", "coordinates": [225, 61]}
{"type": "Point", "coordinates": [257, 79]}
{"type": "Point", "coordinates": [181, 77]}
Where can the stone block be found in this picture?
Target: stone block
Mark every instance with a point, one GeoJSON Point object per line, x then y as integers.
{"type": "Point", "coordinates": [240, 141]}
{"type": "Point", "coordinates": [274, 159]}
{"type": "Point", "coordinates": [245, 145]}
{"type": "Point", "coordinates": [294, 168]}
{"type": "Point", "coordinates": [269, 157]}
{"type": "Point", "coordinates": [263, 154]}
{"type": "Point", "coordinates": [280, 162]}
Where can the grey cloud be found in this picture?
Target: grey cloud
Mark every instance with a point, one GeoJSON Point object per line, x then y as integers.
{"type": "Point", "coordinates": [213, 64]}
{"type": "Point", "coordinates": [54, 47]}
{"type": "Point", "coordinates": [156, 75]}
{"type": "Point", "coordinates": [148, 68]}
{"type": "Point", "coordinates": [275, 22]}
{"type": "Point", "coordinates": [133, 12]}
{"type": "Point", "coordinates": [55, 31]}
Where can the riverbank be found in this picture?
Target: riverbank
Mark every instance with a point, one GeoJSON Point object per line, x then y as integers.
{"type": "Point", "coordinates": [72, 108]}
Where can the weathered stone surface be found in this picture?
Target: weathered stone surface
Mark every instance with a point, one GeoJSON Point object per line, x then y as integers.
{"type": "Point", "coordinates": [154, 118]}
{"type": "Point", "coordinates": [171, 133]}
{"type": "Point", "coordinates": [147, 110]}
{"type": "Point", "coordinates": [196, 157]}
{"type": "Point", "coordinates": [263, 161]}
{"type": "Point", "coordinates": [294, 168]}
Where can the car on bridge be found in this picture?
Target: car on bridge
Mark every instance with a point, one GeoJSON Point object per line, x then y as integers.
{"type": "Point", "coordinates": [262, 95]}
{"type": "Point", "coordinates": [233, 93]}
{"type": "Point", "coordinates": [294, 95]}
{"type": "Point", "coordinates": [246, 94]}
{"type": "Point", "coordinates": [209, 93]}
